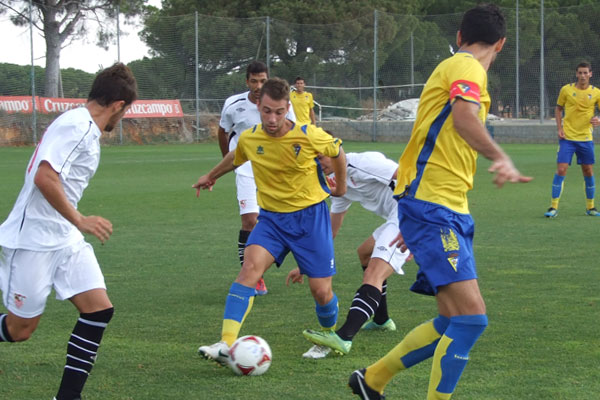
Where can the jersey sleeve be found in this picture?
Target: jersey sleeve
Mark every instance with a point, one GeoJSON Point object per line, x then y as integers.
{"type": "Point", "coordinates": [467, 83]}
{"type": "Point", "coordinates": [226, 121]}
{"type": "Point", "coordinates": [240, 155]}
{"type": "Point", "coordinates": [62, 145]}
{"type": "Point", "coordinates": [323, 142]}
{"type": "Point", "coordinates": [562, 97]}
{"type": "Point", "coordinates": [311, 102]}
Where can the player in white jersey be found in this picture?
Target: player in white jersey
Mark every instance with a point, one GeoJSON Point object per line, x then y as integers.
{"type": "Point", "coordinates": [240, 113]}
{"type": "Point", "coordinates": [42, 242]}
{"type": "Point", "coordinates": [370, 182]}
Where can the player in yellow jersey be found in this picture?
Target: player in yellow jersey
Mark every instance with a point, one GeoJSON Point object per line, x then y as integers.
{"type": "Point", "coordinates": [435, 173]}
{"type": "Point", "coordinates": [293, 215]}
{"type": "Point", "coordinates": [578, 101]}
{"type": "Point", "coordinates": [303, 103]}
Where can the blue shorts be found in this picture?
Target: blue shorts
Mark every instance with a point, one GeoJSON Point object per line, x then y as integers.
{"type": "Point", "coordinates": [441, 241]}
{"type": "Point", "coordinates": [583, 150]}
{"type": "Point", "coordinates": [306, 233]}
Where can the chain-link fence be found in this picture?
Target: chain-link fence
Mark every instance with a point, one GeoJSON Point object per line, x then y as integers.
{"type": "Point", "coordinates": [355, 69]}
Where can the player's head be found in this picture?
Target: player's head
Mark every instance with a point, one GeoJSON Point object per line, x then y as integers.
{"type": "Point", "coordinates": [583, 72]}
{"type": "Point", "coordinates": [299, 84]}
{"type": "Point", "coordinates": [257, 74]}
{"type": "Point", "coordinates": [273, 105]}
{"type": "Point", "coordinates": [484, 24]}
{"type": "Point", "coordinates": [326, 163]}
{"type": "Point", "coordinates": [114, 88]}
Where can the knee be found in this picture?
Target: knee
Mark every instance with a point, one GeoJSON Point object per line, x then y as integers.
{"type": "Point", "coordinates": [322, 295]}
{"type": "Point", "coordinates": [21, 333]}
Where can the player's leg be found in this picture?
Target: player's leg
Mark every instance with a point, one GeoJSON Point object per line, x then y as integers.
{"type": "Point", "coordinates": [564, 155]}
{"type": "Point", "coordinates": [246, 194]}
{"type": "Point", "coordinates": [25, 283]}
{"type": "Point", "coordinates": [79, 279]}
{"type": "Point", "coordinates": [464, 303]}
{"type": "Point", "coordinates": [586, 157]}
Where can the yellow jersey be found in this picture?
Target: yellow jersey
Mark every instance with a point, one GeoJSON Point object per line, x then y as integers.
{"type": "Point", "coordinates": [579, 106]}
{"type": "Point", "coordinates": [287, 173]}
{"type": "Point", "coordinates": [437, 165]}
{"type": "Point", "coordinates": [302, 103]}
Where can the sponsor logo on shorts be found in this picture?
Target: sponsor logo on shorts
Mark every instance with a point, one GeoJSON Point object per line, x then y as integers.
{"type": "Point", "coordinates": [453, 260]}
{"type": "Point", "coordinates": [449, 240]}
{"type": "Point", "coordinates": [382, 248]}
{"type": "Point", "coordinates": [19, 300]}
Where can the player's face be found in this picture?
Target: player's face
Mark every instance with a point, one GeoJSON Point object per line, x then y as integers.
{"type": "Point", "coordinates": [299, 86]}
{"type": "Point", "coordinates": [116, 117]}
{"type": "Point", "coordinates": [272, 114]}
{"type": "Point", "coordinates": [326, 164]}
{"type": "Point", "coordinates": [583, 75]}
{"type": "Point", "coordinates": [255, 82]}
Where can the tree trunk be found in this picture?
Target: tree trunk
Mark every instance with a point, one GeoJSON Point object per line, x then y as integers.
{"type": "Point", "coordinates": [53, 44]}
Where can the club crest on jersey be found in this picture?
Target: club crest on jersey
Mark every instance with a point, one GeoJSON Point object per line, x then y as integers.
{"type": "Point", "coordinates": [297, 149]}
{"type": "Point", "coordinates": [260, 150]}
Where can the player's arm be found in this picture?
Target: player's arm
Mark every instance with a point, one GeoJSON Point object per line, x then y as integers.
{"type": "Point", "coordinates": [471, 129]}
{"type": "Point", "coordinates": [207, 181]}
{"type": "Point", "coordinates": [223, 141]}
{"type": "Point", "coordinates": [48, 182]}
{"type": "Point", "coordinates": [558, 113]}
{"type": "Point", "coordinates": [312, 116]}
{"type": "Point", "coordinates": [336, 222]}
{"type": "Point", "coordinates": [339, 169]}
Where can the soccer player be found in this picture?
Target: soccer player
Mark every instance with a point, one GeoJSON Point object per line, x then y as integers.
{"type": "Point", "coordinates": [293, 217]}
{"type": "Point", "coordinates": [42, 242]}
{"type": "Point", "coordinates": [303, 103]}
{"type": "Point", "coordinates": [240, 113]}
{"type": "Point", "coordinates": [371, 179]}
{"type": "Point", "coordinates": [435, 173]}
{"type": "Point", "coordinates": [578, 101]}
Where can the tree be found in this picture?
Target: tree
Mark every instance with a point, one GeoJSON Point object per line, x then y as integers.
{"type": "Point", "coordinates": [63, 21]}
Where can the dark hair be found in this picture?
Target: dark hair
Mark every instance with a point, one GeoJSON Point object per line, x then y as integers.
{"type": "Point", "coordinates": [584, 64]}
{"type": "Point", "coordinates": [276, 88]}
{"type": "Point", "coordinates": [484, 23]}
{"type": "Point", "coordinates": [114, 84]}
{"type": "Point", "coordinates": [298, 78]}
{"type": "Point", "coordinates": [256, 67]}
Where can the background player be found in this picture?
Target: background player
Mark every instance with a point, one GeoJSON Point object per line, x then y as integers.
{"type": "Point", "coordinates": [293, 213]}
{"type": "Point", "coordinates": [578, 101]}
{"type": "Point", "coordinates": [436, 172]}
{"type": "Point", "coordinates": [370, 181]}
{"type": "Point", "coordinates": [303, 103]}
{"type": "Point", "coordinates": [42, 242]}
{"type": "Point", "coordinates": [240, 113]}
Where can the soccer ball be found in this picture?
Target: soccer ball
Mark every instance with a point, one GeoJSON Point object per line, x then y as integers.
{"type": "Point", "coordinates": [250, 355]}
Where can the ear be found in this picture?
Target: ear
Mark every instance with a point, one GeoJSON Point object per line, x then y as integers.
{"type": "Point", "coordinates": [458, 38]}
{"type": "Point", "coordinates": [499, 44]}
{"type": "Point", "coordinates": [118, 105]}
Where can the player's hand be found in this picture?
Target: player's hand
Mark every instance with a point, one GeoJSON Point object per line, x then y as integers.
{"type": "Point", "coordinates": [331, 182]}
{"type": "Point", "coordinates": [336, 190]}
{"type": "Point", "coordinates": [204, 182]}
{"type": "Point", "coordinates": [561, 134]}
{"type": "Point", "coordinates": [295, 276]}
{"type": "Point", "coordinates": [595, 121]}
{"type": "Point", "coordinates": [506, 172]}
{"type": "Point", "coordinates": [399, 242]}
{"type": "Point", "coordinates": [97, 226]}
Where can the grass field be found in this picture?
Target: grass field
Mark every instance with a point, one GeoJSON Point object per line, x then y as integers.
{"type": "Point", "coordinates": [172, 258]}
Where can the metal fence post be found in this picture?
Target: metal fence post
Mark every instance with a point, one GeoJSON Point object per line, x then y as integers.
{"type": "Point", "coordinates": [268, 55]}
{"type": "Point", "coordinates": [542, 81]}
{"type": "Point", "coordinates": [374, 129]}
{"type": "Point", "coordinates": [34, 111]}
{"type": "Point", "coordinates": [517, 78]}
{"type": "Point", "coordinates": [197, 79]}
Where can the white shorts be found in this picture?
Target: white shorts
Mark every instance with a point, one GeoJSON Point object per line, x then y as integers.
{"type": "Point", "coordinates": [392, 255]}
{"type": "Point", "coordinates": [26, 277]}
{"type": "Point", "coordinates": [246, 194]}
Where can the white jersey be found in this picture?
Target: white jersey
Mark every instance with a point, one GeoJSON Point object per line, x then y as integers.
{"type": "Point", "coordinates": [71, 145]}
{"type": "Point", "coordinates": [369, 182]}
{"type": "Point", "coordinates": [239, 114]}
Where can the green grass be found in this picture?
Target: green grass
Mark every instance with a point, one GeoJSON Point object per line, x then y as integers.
{"type": "Point", "coordinates": [172, 258]}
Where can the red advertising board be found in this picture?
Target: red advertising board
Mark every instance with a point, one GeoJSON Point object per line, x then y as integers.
{"type": "Point", "coordinates": [46, 105]}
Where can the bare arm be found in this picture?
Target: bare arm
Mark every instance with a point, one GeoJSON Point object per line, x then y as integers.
{"type": "Point", "coordinates": [339, 169]}
{"type": "Point", "coordinates": [48, 182]}
{"type": "Point", "coordinates": [312, 116]}
{"type": "Point", "coordinates": [336, 222]}
{"type": "Point", "coordinates": [223, 141]}
{"type": "Point", "coordinates": [471, 129]}
{"type": "Point", "coordinates": [208, 181]}
{"type": "Point", "coordinates": [558, 112]}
